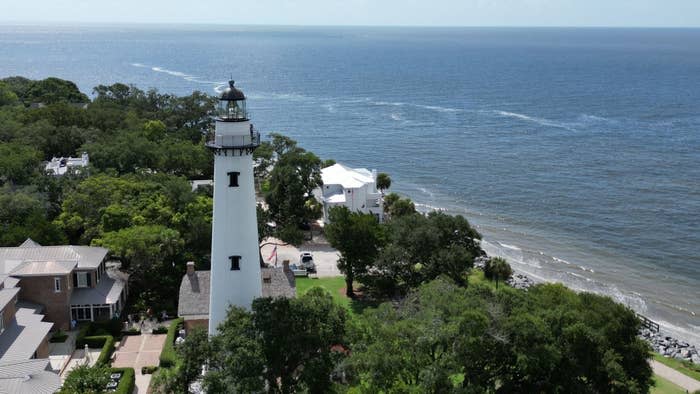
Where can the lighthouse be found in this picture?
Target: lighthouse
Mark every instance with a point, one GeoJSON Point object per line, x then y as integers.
{"type": "Point", "coordinates": [235, 262]}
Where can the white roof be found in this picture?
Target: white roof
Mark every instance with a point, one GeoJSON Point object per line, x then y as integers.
{"type": "Point", "coordinates": [28, 377]}
{"type": "Point", "coordinates": [349, 178]}
{"type": "Point", "coordinates": [23, 335]}
{"type": "Point", "coordinates": [33, 259]}
{"type": "Point", "coordinates": [336, 198]}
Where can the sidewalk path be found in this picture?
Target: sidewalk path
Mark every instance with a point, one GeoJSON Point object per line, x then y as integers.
{"type": "Point", "coordinates": [670, 374]}
{"type": "Point", "coordinates": [139, 351]}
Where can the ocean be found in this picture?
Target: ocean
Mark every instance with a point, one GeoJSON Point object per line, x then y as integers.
{"type": "Point", "coordinates": [576, 152]}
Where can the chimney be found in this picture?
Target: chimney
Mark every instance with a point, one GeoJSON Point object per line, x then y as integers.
{"type": "Point", "coordinates": [190, 268]}
{"type": "Point", "coordinates": [285, 266]}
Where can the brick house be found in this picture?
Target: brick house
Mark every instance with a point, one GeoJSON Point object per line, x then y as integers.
{"type": "Point", "coordinates": [23, 333]}
{"type": "Point", "coordinates": [67, 282]}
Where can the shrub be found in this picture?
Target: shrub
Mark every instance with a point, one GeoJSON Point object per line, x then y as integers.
{"type": "Point", "coordinates": [132, 331]}
{"type": "Point", "coordinates": [160, 330]}
{"type": "Point", "coordinates": [106, 352]}
{"type": "Point", "coordinates": [149, 369]}
{"type": "Point", "coordinates": [127, 384]}
{"type": "Point", "coordinates": [106, 342]}
{"type": "Point", "coordinates": [168, 357]}
{"type": "Point", "coordinates": [59, 336]}
{"type": "Point", "coordinates": [82, 333]}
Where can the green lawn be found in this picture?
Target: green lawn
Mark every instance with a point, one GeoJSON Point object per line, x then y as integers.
{"type": "Point", "coordinates": [333, 285]}
{"type": "Point", "coordinates": [685, 368]}
{"type": "Point", "coordinates": [663, 386]}
{"type": "Point", "coordinates": [336, 286]}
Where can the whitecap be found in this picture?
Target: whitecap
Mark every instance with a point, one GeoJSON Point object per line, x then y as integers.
{"type": "Point", "coordinates": [540, 121]}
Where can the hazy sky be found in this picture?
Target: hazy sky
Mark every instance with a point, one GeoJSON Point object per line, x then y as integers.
{"type": "Point", "coordinates": [671, 13]}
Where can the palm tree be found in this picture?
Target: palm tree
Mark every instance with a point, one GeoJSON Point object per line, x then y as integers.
{"type": "Point", "coordinates": [383, 181]}
{"type": "Point", "coordinates": [498, 268]}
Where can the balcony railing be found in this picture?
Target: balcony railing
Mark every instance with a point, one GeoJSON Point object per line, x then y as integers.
{"type": "Point", "coordinates": [219, 141]}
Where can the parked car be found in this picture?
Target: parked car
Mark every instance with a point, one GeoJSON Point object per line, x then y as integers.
{"type": "Point", "coordinates": [306, 261]}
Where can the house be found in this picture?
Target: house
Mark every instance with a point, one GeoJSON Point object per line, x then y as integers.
{"type": "Point", "coordinates": [24, 334]}
{"type": "Point", "coordinates": [354, 188]}
{"type": "Point", "coordinates": [64, 282]}
{"type": "Point", "coordinates": [60, 165]}
{"type": "Point", "coordinates": [193, 301]}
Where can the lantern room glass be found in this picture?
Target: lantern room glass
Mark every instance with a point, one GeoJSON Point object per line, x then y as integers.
{"type": "Point", "coordinates": [232, 110]}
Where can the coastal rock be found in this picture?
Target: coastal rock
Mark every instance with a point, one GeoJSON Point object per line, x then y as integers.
{"type": "Point", "coordinates": [695, 359]}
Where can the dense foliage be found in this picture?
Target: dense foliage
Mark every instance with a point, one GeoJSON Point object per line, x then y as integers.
{"type": "Point", "coordinates": [134, 198]}
{"type": "Point", "coordinates": [87, 380]}
{"type": "Point", "coordinates": [358, 238]}
{"type": "Point", "coordinates": [446, 338]}
{"type": "Point", "coordinates": [283, 345]}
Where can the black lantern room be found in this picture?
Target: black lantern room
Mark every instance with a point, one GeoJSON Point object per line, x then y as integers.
{"type": "Point", "coordinates": [232, 105]}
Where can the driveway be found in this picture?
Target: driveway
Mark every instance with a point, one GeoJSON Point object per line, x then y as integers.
{"type": "Point", "coordinates": [325, 257]}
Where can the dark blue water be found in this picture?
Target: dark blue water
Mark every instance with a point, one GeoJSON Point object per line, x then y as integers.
{"type": "Point", "coordinates": [575, 151]}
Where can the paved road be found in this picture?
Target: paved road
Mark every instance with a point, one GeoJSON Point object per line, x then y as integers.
{"type": "Point", "coordinates": [325, 257]}
{"type": "Point", "coordinates": [670, 374]}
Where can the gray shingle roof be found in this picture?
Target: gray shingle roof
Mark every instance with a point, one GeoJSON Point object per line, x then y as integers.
{"type": "Point", "coordinates": [276, 282]}
{"type": "Point", "coordinates": [28, 377]}
{"type": "Point", "coordinates": [194, 290]}
{"type": "Point", "coordinates": [23, 336]}
{"type": "Point", "coordinates": [194, 295]}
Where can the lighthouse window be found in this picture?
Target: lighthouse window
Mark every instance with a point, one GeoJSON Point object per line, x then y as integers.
{"type": "Point", "coordinates": [235, 263]}
{"type": "Point", "coordinates": [233, 178]}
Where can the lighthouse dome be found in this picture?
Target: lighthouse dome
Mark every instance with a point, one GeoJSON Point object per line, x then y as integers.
{"type": "Point", "coordinates": [231, 93]}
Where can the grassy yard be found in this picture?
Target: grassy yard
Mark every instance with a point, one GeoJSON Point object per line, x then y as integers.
{"type": "Point", "coordinates": [663, 386]}
{"type": "Point", "coordinates": [685, 368]}
{"type": "Point", "coordinates": [336, 286]}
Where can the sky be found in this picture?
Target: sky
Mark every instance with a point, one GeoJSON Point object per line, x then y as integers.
{"type": "Point", "coordinates": [614, 13]}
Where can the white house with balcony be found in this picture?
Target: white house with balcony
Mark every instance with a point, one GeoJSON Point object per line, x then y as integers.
{"type": "Point", "coordinates": [61, 165]}
{"type": "Point", "coordinates": [355, 188]}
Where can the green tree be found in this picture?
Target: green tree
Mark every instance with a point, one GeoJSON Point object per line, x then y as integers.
{"type": "Point", "coordinates": [395, 206]}
{"type": "Point", "coordinates": [22, 216]}
{"type": "Point", "coordinates": [283, 345]}
{"type": "Point", "coordinates": [154, 130]}
{"type": "Point", "coordinates": [420, 249]}
{"type": "Point", "coordinates": [87, 380]}
{"type": "Point", "coordinates": [193, 354]}
{"type": "Point", "coordinates": [295, 175]}
{"type": "Point", "coordinates": [497, 268]}
{"type": "Point", "coordinates": [18, 163]}
{"type": "Point", "coordinates": [383, 181]}
{"type": "Point", "coordinates": [358, 238]}
{"type": "Point", "coordinates": [7, 96]}
{"type": "Point", "coordinates": [151, 254]}
{"type": "Point", "coordinates": [446, 338]}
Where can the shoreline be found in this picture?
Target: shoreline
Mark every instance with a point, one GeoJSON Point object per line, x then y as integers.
{"type": "Point", "coordinates": [662, 342]}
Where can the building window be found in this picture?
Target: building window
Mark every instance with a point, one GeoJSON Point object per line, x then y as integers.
{"type": "Point", "coordinates": [81, 312]}
{"type": "Point", "coordinates": [82, 279]}
{"type": "Point", "coordinates": [235, 263]}
{"type": "Point", "coordinates": [2, 321]}
{"type": "Point", "coordinates": [57, 285]}
{"type": "Point", "coordinates": [233, 178]}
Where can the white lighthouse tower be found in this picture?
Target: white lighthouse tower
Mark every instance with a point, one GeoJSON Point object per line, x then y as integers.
{"type": "Point", "coordinates": [235, 259]}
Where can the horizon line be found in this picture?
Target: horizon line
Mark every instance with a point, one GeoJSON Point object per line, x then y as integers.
{"type": "Point", "coordinates": [7, 23]}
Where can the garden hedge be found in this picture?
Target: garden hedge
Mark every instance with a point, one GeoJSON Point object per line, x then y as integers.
{"type": "Point", "coordinates": [127, 384]}
{"type": "Point", "coordinates": [168, 357]}
{"type": "Point", "coordinates": [106, 342]}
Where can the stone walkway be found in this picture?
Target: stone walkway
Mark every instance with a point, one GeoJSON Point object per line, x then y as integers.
{"type": "Point", "coordinates": [138, 351]}
{"type": "Point", "coordinates": [670, 374]}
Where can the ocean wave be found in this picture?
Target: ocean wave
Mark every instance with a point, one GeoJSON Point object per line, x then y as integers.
{"type": "Point", "coordinates": [217, 86]}
{"type": "Point", "coordinates": [533, 119]}
{"type": "Point", "coordinates": [428, 207]}
{"type": "Point", "coordinates": [436, 108]}
{"type": "Point", "coordinates": [513, 247]}
{"type": "Point", "coordinates": [557, 259]}
{"type": "Point", "coordinates": [395, 116]}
